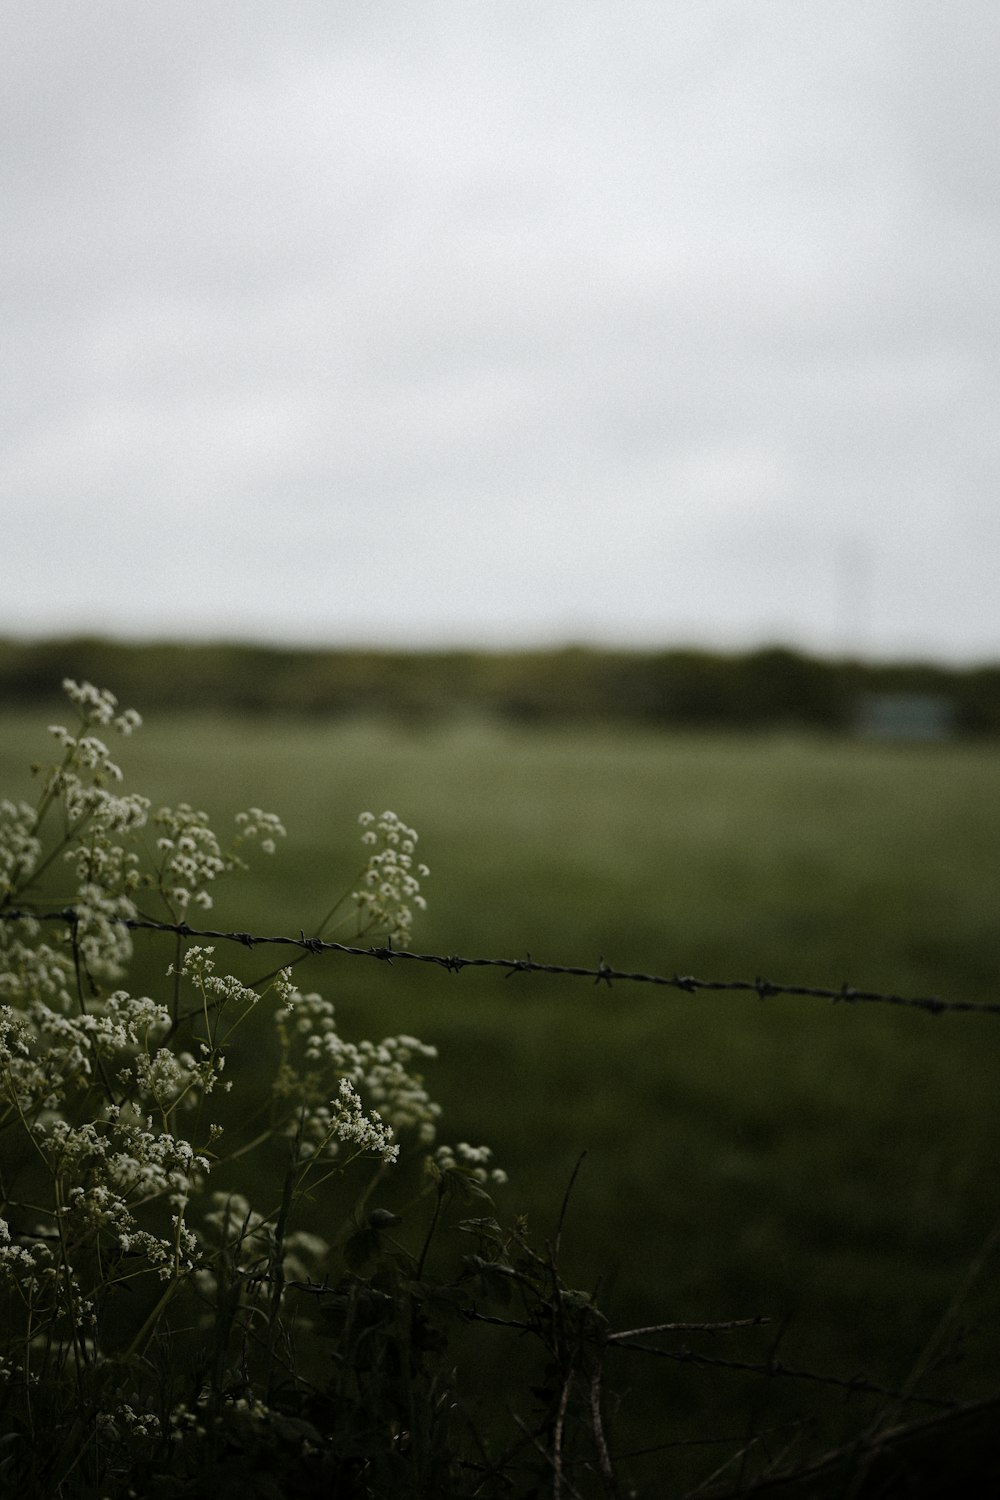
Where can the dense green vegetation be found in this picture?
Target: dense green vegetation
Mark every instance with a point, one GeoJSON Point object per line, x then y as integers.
{"type": "Point", "coordinates": [775, 687]}
{"type": "Point", "coordinates": [830, 1167]}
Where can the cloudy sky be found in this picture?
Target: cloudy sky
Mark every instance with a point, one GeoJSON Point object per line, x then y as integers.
{"type": "Point", "coordinates": [503, 322]}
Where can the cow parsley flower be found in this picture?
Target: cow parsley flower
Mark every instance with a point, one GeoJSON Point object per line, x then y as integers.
{"type": "Point", "coordinates": [468, 1161]}
{"type": "Point", "coordinates": [390, 883]}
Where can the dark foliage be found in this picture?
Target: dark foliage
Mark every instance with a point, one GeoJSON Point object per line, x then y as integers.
{"type": "Point", "coordinates": [769, 688]}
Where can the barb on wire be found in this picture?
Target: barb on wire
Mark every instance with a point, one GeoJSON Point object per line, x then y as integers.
{"type": "Point", "coordinates": [601, 973]}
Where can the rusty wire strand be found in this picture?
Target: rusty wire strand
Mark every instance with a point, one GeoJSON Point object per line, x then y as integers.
{"type": "Point", "coordinates": [601, 973]}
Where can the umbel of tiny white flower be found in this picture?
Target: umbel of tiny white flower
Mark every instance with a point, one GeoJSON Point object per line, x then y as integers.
{"type": "Point", "coordinates": [98, 706]}
{"type": "Point", "coordinates": [313, 1056]}
{"type": "Point", "coordinates": [264, 826]}
{"type": "Point", "coordinates": [468, 1161]}
{"type": "Point", "coordinates": [390, 883]}
{"type": "Point", "coordinates": [192, 857]}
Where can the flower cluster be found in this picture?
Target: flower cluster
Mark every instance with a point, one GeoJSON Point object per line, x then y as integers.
{"type": "Point", "coordinates": [221, 992]}
{"type": "Point", "coordinates": [315, 1059]}
{"type": "Point", "coordinates": [94, 820]}
{"type": "Point", "coordinates": [48, 1054]}
{"type": "Point", "coordinates": [349, 1123]}
{"type": "Point", "coordinates": [108, 1152]}
{"type": "Point", "coordinates": [125, 1421]}
{"type": "Point", "coordinates": [191, 856]}
{"type": "Point", "coordinates": [23, 1263]}
{"type": "Point", "coordinates": [20, 847]}
{"type": "Point", "coordinates": [82, 777]}
{"type": "Point", "coordinates": [468, 1161]}
{"type": "Point", "coordinates": [98, 706]}
{"type": "Point", "coordinates": [263, 826]}
{"type": "Point", "coordinates": [390, 884]}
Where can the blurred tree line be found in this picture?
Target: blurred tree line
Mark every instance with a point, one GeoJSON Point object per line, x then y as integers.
{"type": "Point", "coordinates": [769, 688]}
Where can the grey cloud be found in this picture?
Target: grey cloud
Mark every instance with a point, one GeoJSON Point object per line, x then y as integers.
{"type": "Point", "coordinates": [685, 292]}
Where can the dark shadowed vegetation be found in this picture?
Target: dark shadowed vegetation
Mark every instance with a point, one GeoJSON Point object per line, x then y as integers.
{"type": "Point", "coordinates": [769, 688]}
{"type": "Point", "coordinates": [828, 1167]}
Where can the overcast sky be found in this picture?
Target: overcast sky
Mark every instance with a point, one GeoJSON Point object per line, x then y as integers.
{"type": "Point", "coordinates": [449, 321]}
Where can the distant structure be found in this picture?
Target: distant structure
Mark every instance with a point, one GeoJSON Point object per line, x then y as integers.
{"type": "Point", "coordinates": [906, 717]}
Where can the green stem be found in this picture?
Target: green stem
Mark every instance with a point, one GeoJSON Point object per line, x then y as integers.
{"type": "Point", "coordinates": [430, 1231]}
{"type": "Point", "coordinates": [277, 1267]}
{"type": "Point", "coordinates": [145, 1333]}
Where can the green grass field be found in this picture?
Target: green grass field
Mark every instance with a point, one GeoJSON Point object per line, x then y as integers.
{"type": "Point", "coordinates": [832, 1167]}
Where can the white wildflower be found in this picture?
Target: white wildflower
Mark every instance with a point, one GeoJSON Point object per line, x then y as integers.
{"type": "Point", "coordinates": [390, 883]}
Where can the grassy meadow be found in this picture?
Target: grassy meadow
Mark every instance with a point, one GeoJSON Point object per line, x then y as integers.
{"type": "Point", "coordinates": [832, 1167]}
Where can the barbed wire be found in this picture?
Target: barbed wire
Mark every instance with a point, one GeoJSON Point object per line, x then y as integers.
{"type": "Point", "coordinates": [601, 973]}
{"type": "Point", "coordinates": [600, 1339]}
{"type": "Point", "coordinates": [770, 1369]}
